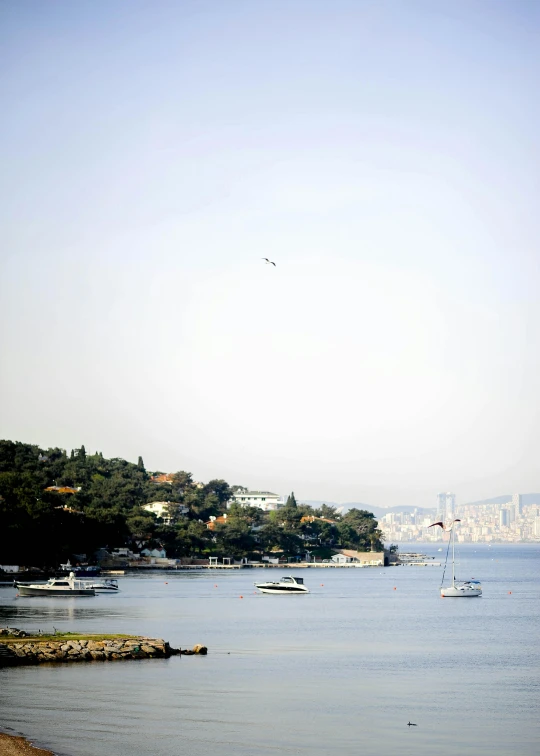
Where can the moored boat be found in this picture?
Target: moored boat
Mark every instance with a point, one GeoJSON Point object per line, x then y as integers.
{"type": "Point", "coordinates": [106, 585]}
{"type": "Point", "coordinates": [69, 586]}
{"type": "Point", "coordinates": [286, 585]}
{"type": "Point", "coordinates": [458, 588]}
{"type": "Point", "coordinates": [79, 570]}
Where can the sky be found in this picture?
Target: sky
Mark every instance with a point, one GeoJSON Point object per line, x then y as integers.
{"type": "Point", "coordinates": [383, 153]}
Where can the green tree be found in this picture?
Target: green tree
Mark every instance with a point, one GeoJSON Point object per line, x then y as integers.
{"type": "Point", "coordinates": [291, 500]}
{"type": "Point", "coordinates": [328, 511]}
{"type": "Point", "coordinates": [141, 526]}
{"type": "Point", "coordinates": [182, 479]}
{"type": "Point", "coordinates": [234, 538]}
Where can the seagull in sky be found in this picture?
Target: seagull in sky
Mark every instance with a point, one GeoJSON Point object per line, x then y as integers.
{"type": "Point", "coordinates": [411, 724]}
{"type": "Point", "coordinates": [268, 262]}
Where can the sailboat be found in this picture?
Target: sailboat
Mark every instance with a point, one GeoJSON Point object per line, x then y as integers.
{"type": "Point", "coordinates": [459, 588]}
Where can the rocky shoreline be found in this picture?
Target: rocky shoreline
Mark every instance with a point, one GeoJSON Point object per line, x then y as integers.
{"type": "Point", "coordinates": [27, 650]}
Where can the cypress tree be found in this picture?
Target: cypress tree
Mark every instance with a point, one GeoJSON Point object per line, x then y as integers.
{"type": "Point", "coordinates": [291, 500]}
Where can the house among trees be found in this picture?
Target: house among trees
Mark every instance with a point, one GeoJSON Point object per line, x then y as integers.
{"type": "Point", "coordinates": [371, 558]}
{"type": "Point", "coordinates": [161, 478]}
{"type": "Point", "coordinates": [167, 511]}
{"type": "Point", "coordinates": [213, 521]}
{"type": "Point", "coordinates": [265, 500]}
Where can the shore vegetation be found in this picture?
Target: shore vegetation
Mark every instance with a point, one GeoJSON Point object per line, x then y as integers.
{"type": "Point", "coordinates": [56, 505]}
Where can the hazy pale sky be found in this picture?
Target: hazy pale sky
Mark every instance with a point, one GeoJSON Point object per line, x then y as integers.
{"type": "Point", "coordinates": [383, 152]}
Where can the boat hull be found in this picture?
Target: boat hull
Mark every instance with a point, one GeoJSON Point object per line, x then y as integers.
{"type": "Point", "coordinates": [101, 589]}
{"type": "Point", "coordinates": [282, 590]}
{"type": "Point", "coordinates": [451, 592]}
{"type": "Point", "coordinates": [28, 590]}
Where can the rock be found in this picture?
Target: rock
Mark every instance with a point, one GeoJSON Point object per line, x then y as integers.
{"type": "Point", "coordinates": [75, 645]}
{"type": "Point", "coordinates": [97, 654]}
{"type": "Point", "coordinates": [83, 643]}
{"type": "Point", "coordinates": [13, 631]}
{"type": "Point", "coordinates": [95, 645]}
{"type": "Point", "coordinates": [199, 649]}
{"type": "Point", "coordinates": [65, 647]}
{"type": "Point", "coordinates": [73, 652]}
{"type": "Point", "coordinates": [148, 649]}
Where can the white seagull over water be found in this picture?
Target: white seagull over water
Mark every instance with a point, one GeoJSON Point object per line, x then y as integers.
{"type": "Point", "coordinates": [268, 262]}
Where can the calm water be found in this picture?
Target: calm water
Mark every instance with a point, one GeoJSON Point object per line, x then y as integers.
{"type": "Point", "coordinates": [339, 671]}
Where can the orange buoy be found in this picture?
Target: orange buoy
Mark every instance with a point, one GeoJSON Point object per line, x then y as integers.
{"type": "Point", "coordinates": [166, 584]}
{"type": "Point", "coordinates": [509, 591]}
{"type": "Point", "coordinates": [215, 586]}
{"type": "Point", "coordinates": [395, 588]}
{"type": "Point", "coordinates": [241, 597]}
{"type": "Point", "coordinates": [322, 585]}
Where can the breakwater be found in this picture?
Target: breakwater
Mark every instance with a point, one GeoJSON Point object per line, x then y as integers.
{"type": "Point", "coordinates": [24, 650]}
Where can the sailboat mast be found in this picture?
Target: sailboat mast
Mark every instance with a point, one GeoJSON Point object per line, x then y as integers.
{"type": "Point", "coordinates": [453, 555]}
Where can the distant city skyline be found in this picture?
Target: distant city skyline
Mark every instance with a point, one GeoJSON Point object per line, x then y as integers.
{"type": "Point", "coordinates": [510, 521]}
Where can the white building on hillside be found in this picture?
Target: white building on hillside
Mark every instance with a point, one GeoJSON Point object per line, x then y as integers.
{"type": "Point", "coordinates": [163, 509]}
{"type": "Point", "coordinates": [265, 500]}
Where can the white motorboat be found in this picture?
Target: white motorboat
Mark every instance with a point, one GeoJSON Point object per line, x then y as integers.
{"type": "Point", "coordinates": [80, 570]}
{"type": "Point", "coordinates": [69, 586]}
{"type": "Point", "coordinates": [106, 585]}
{"type": "Point", "coordinates": [459, 588]}
{"type": "Point", "coordinates": [285, 585]}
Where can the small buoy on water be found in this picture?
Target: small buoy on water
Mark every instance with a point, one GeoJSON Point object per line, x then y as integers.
{"type": "Point", "coordinates": [241, 597]}
{"type": "Point", "coordinates": [509, 591]}
{"type": "Point", "coordinates": [166, 583]}
{"type": "Point", "coordinates": [215, 586]}
{"type": "Point", "coordinates": [395, 588]}
{"type": "Point", "coordinates": [322, 585]}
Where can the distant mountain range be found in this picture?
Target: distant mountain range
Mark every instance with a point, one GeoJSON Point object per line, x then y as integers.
{"type": "Point", "coordinates": [526, 500]}
{"type": "Point", "coordinates": [377, 511]}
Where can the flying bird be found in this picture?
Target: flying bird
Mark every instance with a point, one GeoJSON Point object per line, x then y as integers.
{"type": "Point", "coordinates": [411, 724]}
{"type": "Point", "coordinates": [268, 262]}
{"type": "Point", "coordinates": [441, 524]}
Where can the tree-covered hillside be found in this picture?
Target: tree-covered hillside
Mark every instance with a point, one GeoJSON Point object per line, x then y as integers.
{"type": "Point", "coordinates": [54, 505]}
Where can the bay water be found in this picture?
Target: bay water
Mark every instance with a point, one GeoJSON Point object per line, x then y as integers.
{"type": "Point", "coordinates": [339, 671]}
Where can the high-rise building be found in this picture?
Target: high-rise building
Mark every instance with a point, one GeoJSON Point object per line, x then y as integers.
{"type": "Point", "coordinates": [504, 518]}
{"type": "Point", "coordinates": [517, 505]}
{"type": "Point", "coordinates": [446, 506]}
